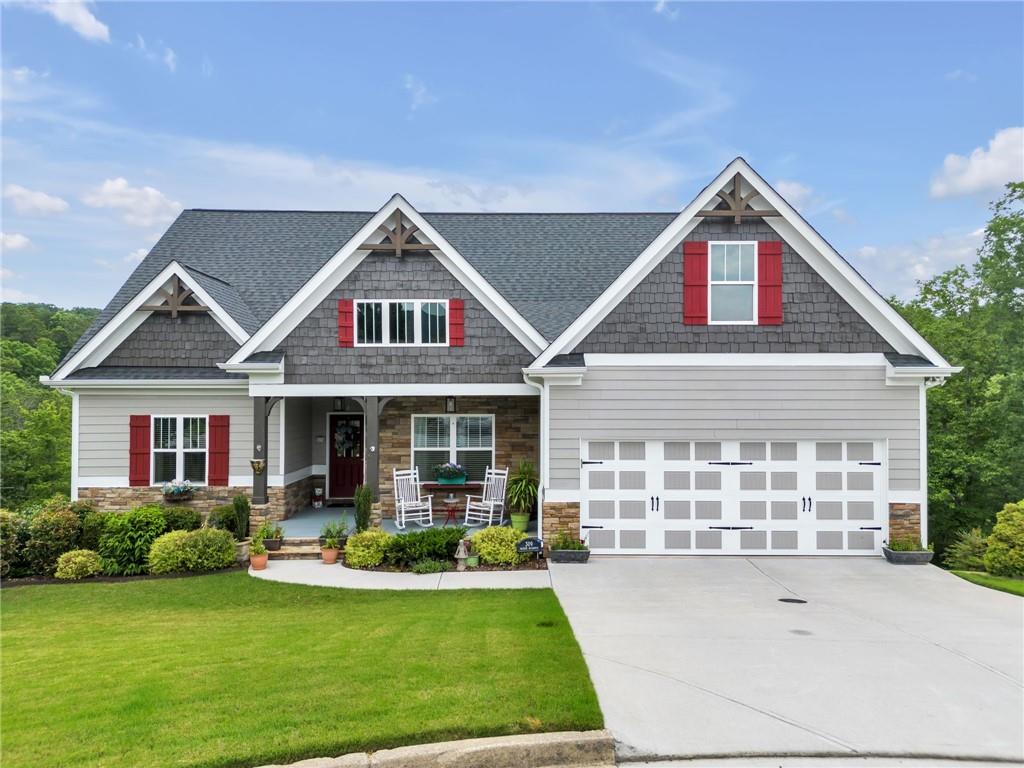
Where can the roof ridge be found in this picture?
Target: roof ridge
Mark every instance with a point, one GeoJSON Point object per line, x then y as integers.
{"type": "Point", "coordinates": [439, 213]}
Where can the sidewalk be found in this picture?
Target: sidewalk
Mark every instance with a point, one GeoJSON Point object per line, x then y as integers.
{"type": "Point", "coordinates": [315, 574]}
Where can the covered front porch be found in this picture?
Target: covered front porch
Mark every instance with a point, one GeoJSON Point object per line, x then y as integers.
{"type": "Point", "coordinates": [329, 445]}
{"type": "Point", "coordinates": [308, 522]}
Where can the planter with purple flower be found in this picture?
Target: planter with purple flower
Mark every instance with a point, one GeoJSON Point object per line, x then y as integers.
{"type": "Point", "coordinates": [177, 490]}
{"type": "Point", "coordinates": [450, 474]}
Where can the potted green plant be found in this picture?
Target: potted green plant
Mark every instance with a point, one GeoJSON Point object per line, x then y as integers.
{"type": "Point", "coordinates": [522, 495]}
{"type": "Point", "coordinates": [334, 529]}
{"type": "Point", "coordinates": [472, 558]}
{"type": "Point", "coordinates": [566, 548]}
{"type": "Point", "coordinates": [907, 551]}
{"type": "Point", "coordinates": [258, 555]}
{"type": "Point", "coordinates": [270, 533]}
{"type": "Point", "coordinates": [329, 551]}
{"type": "Point", "coordinates": [450, 474]}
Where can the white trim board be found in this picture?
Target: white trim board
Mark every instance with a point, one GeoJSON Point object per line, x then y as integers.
{"type": "Point", "coordinates": [121, 325]}
{"type": "Point", "coordinates": [347, 258]}
{"type": "Point", "coordinates": [117, 386]}
{"type": "Point", "coordinates": [791, 227]}
{"type": "Point", "coordinates": [733, 359]}
{"type": "Point", "coordinates": [415, 390]}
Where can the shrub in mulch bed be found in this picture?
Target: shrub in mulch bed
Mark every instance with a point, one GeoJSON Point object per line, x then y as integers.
{"type": "Point", "coordinates": [29, 581]}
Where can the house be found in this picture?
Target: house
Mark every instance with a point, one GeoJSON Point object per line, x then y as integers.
{"type": "Point", "coordinates": [714, 380]}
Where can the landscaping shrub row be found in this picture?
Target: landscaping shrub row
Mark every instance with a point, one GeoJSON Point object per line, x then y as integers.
{"type": "Point", "coordinates": [71, 540]}
{"type": "Point", "coordinates": [431, 550]}
{"type": "Point", "coordinates": [1001, 553]}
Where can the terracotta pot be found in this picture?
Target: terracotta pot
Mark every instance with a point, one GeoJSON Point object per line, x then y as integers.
{"type": "Point", "coordinates": [258, 562]}
{"type": "Point", "coordinates": [330, 556]}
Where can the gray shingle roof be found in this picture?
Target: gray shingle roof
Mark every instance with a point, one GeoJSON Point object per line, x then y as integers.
{"type": "Point", "coordinates": [908, 361]}
{"type": "Point", "coordinates": [550, 267]}
{"type": "Point", "coordinates": [152, 372]}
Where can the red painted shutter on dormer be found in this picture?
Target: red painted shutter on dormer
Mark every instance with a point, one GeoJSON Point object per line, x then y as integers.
{"type": "Point", "coordinates": [695, 283]}
{"type": "Point", "coordinates": [346, 323]}
{"type": "Point", "coordinates": [769, 282]}
{"type": "Point", "coordinates": [456, 322]}
{"type": "Point", "coordinates": [138, 450]}
{"type": "Point", "coordinates": [220, 440]}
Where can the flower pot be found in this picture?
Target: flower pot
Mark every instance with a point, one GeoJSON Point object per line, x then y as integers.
{"type": "Point", "coordinates": [520, 521]}
{"type": "Point", "coordinates": [461, 480]}
{"type": "Point", "coordinates": [175, 498]}
{"type": "Point", "coordinates": [258, 562]}
{"type": "Point", "coordinates": [569, 555]}
{"type": "Point", "coordinates": [242, 551]}
{"type": "Point", "coordinates": [472, 561]}
{"type": "Point", "coordinates": [919, 557]}
{"type": "Point", "coordinates": [329, 556]}
{"type": "Point", "coordinates": [272, 545]}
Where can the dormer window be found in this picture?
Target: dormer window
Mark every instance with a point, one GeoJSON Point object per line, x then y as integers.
{"type": "Point", "coordinates": [401, 323]}
{"type": "Point", "coordinates": [732, 287]}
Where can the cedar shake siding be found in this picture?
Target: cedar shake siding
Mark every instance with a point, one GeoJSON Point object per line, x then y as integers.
{"type": "Point", "coordinates": [192, 340]}
{"type": "Point", "coordinates": [814, 317]}
{"type": "Point", "coordinates": [490, 352]}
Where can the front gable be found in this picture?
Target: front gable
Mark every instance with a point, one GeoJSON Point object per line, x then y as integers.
{"type": "Point", "coordinates": [188, 341]}
{"type": "Point", "coordinates": [815, 318]}
{"type": "Point", "coordinates": [489, 352]}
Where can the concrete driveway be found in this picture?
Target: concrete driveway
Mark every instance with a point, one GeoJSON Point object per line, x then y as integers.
{"type": "Point", "coordinates": [697, 657]}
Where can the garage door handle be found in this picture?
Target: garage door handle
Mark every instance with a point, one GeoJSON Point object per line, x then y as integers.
{"type": "Point", "coordinates": [871, 527]}
{"type": "Point", "coordinates": [803, 501]}
{"type": "Point", "coordinates": [730, 527]}
{"type": "Point", "coordinates": [870, 463]}
{"type": "Point", "coordinates": [591, 462]}
{"type": "Point", "coordinates": [591, 526]}
{"type": "Point", "coordinates": [732, 463]}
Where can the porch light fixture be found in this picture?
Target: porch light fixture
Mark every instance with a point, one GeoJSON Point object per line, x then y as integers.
{"type": "Point", "coordinates": [449, 404]}
{"type": "Point", "coordinates": [258, 465]}
{"type": "Point", "coordinates": [337, 403]}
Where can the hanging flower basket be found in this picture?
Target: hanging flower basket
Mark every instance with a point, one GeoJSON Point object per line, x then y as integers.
{"type": "Point", "coordinates": [450, 474]}
{"type": "Point", "coordinates": [177, 490]}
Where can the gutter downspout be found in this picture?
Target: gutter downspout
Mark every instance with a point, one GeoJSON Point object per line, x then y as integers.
{"type": "Point", "coordinates": [542, 389]}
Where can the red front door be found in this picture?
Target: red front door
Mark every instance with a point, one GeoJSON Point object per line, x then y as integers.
{"type": "Point", "coordinates": [345, 452]}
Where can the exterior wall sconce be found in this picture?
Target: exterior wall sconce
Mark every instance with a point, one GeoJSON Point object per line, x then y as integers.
{"type": "Point", "coordinates": [337, 403]}
{"type": "Point", "coordinates": [449, 404]}
{"type": "Point", "coordinates": [258, 465]}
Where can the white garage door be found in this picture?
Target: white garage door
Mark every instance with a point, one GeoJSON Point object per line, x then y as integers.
{"type": "Point", "coordinates": [801, 497]}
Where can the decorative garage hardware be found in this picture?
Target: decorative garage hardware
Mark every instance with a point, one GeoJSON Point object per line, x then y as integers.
{"type": "Point", "coordinates": [174, 300]}
{"type": "Point", "coordinates": [871, 527]}
{"type": "Point", "coordinates": [585, 462]}
{"type": "Point", "coordinates": [808, 503]}
{"type": "Point", "coordinates": [870, 463]}
{"type": "Point", "coordinates": [655, 503]}
{"type": "Point", "coordinates": [734, 204]}
{"type": "Point", "coordinates": [732, 463]}
{"type": "Point", "coordinates": [731, 527]}
{"type": "Point", "coordinates": [397, 238]}
{"type": "Point", "coordinates": [794, 600]}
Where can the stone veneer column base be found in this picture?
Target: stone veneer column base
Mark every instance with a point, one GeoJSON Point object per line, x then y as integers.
{"type": "Point", "coordinates": [904, 521]}
{"type": "Point", "coordinates": [560, 517]}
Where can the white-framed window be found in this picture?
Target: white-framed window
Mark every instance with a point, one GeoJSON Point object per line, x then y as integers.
{"type": "Point", "coordinates": [732, 283]}
{"type": "Point", "coordinates": [467, 440]}
{"type": "Point", "coordinates": [401, 322]}
{"type": "Point", "coordinates": [179, 449]}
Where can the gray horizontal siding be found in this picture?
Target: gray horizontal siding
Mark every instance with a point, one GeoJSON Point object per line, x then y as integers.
{"type": "Point", "coordinates": [298, 444]}
{"type": "Point", "coordinates": [735, 403]}
{"type": "Point", "coordinates": [103, 428]}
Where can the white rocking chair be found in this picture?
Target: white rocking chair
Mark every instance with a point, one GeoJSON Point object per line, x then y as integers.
{"type": "Point", "coordinates": [410, 506]}
{"type": "Point", "coordinates": [481, 510]}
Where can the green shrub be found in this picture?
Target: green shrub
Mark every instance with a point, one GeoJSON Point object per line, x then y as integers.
{"type": "Point", "coordinates": [497, 546]}
{"type": "Point", "coordinates": [522, 489]}
{"type": "Point", "coordinates": [126, 539]}
{"type": "Point", "coordinates": [430, 566]}
{"type": "Point", "coordinates": [967, 552]}
{"type": "Point", "coordinates": [242, 511]}
{"type": "Point", "coordinates": [179, 518]}
{"type": "Point", "coordinates": [92, 529]}
{"type": "Point", "coordinates": [429, 544]}
{"type": "Point", "coordinates": [362, 498]}
{"type": "Point", "coordinates": [8, 541]}
{"type": "Point", "coordinates": [82, 508]}
{"type": "Point", "coordinates": [205, 549]}
{"type": "Point", "coordinates": [905, 544]}
{"type": "Point", "coordinates": [268, 530]}
{"type": "Point", "coordinates": [334, 529]}
{"type": "Point", "coordinates": [78, 564]}
{"type": "Point", "coordinates": [566, 540]}
{"type": "Point", "coordinates": [51, 533]}
{"type": "Point", "coordinates": [367, 549]}
{"type": "Point", "coordinates": [225, 518]}
{"type": "Point", "coordinates": [1005, 555]}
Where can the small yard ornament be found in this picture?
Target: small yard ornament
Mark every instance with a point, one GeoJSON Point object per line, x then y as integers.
{"type": "Point", "coordinates": [460, 556]}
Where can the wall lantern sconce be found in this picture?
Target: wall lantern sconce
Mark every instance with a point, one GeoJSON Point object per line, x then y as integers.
{"type": "Point", "coordinates": [449, 404]}
{"type": "Point", "coordinates": [337, 403]}
{"type": "Point", "coordinates": [258, 465]}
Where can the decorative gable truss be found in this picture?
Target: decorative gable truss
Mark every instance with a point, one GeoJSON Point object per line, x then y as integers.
{"type": "Point", "coordinates": [739, 193]}
{"type": "Point", "coordinates": [174, 291]}
{"type": "Point", "coordinates": [396, 228]}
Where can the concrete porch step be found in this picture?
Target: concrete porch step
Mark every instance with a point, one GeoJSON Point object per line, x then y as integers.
{"type": "Point", "coordinates": [297, 549]}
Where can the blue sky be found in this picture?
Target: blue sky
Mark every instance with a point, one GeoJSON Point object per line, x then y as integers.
{"type": "Point", "coordinates": [891, 126]}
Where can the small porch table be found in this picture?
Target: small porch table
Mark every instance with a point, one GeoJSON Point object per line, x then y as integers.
{"type": "Point", "coordinates": [448, 494]}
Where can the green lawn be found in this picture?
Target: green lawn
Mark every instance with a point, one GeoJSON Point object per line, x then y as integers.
{"type": "Point", "coordinates": [1002, 583]}
{"type": "Point", "coordinates": [226, 670]}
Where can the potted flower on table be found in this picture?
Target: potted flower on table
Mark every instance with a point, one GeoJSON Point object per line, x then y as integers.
{"type": "Point", "coordinates": [450, 474]}
{"type": "Point", "coordinates": [522, 495]}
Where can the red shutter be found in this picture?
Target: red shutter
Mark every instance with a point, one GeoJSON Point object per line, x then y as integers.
{"type": "Point", "coordinates": [456, 323]}
{"type": "Point", "coordinates": [346, 336]}
{"type": "Point", "coordinates": [220, 439]}
{"type": "Point", "coordinates": [695, 283]}
{"type": "Point", "coordinates": [138, 450]}
{"type": "Point", "coordinates": [769, 282]}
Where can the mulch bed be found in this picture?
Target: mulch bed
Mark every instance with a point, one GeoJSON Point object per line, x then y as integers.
{"type": "Point", "coordinates": [28, 581]}
{"type": "Point", "coordinates": [530, 565]}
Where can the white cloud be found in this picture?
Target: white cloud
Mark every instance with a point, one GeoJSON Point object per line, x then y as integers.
{"type": "Point", "coordinates": [168, 57]}
{"type": "Point", "coordinates": [142, 206]}
{"type": "Point", "coordinates": [984, 170]}
{"type": "Point", "coordinates": [895, 269]}
{"type": "Point", "coordinates": [12, 241]}
{"type": "Point", "coordinates": [961, 75]}
{"type": "Point", "coordinates": [808, 202]}
{"type": "Point", "coordinates": [842, 215]}
{"type": "Point", "coordinates": [29, 202]}
{"type": "Point", "coordinates": [662, 8]}
{"type": "Point", "coordinates": [14, 296]}
{"type": "Point", "coordinates": [796, 194]}
{"type": "Point", "coordinates": [74, 14]}
{"type": "Point", "coordinates": [171, 59]}
{"type": "Point", "coordinates": [136, 256]}
{"type": "Point", "coordinates": [419, 95]}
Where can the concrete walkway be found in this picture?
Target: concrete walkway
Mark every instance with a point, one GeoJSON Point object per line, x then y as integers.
{"type": "Point", "coordinates": [316, 574]}
{"type": "Point", "coordinates": [697, 657]}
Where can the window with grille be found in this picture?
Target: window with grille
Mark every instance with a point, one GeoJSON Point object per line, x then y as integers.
{"type": "Point", "coordinates": [401, 323]}
{"type": "Point", "coordinates": [179, 449]}
{"type": "Point", "coordinates": [732, 284]}
{"type": "Point", "coordinates": [464, 440]}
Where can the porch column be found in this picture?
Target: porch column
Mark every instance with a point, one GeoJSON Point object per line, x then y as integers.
{"type": "Point", "coordinates": [261, 407]}
{"type": "Point", "coordinates": [371, 418]}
